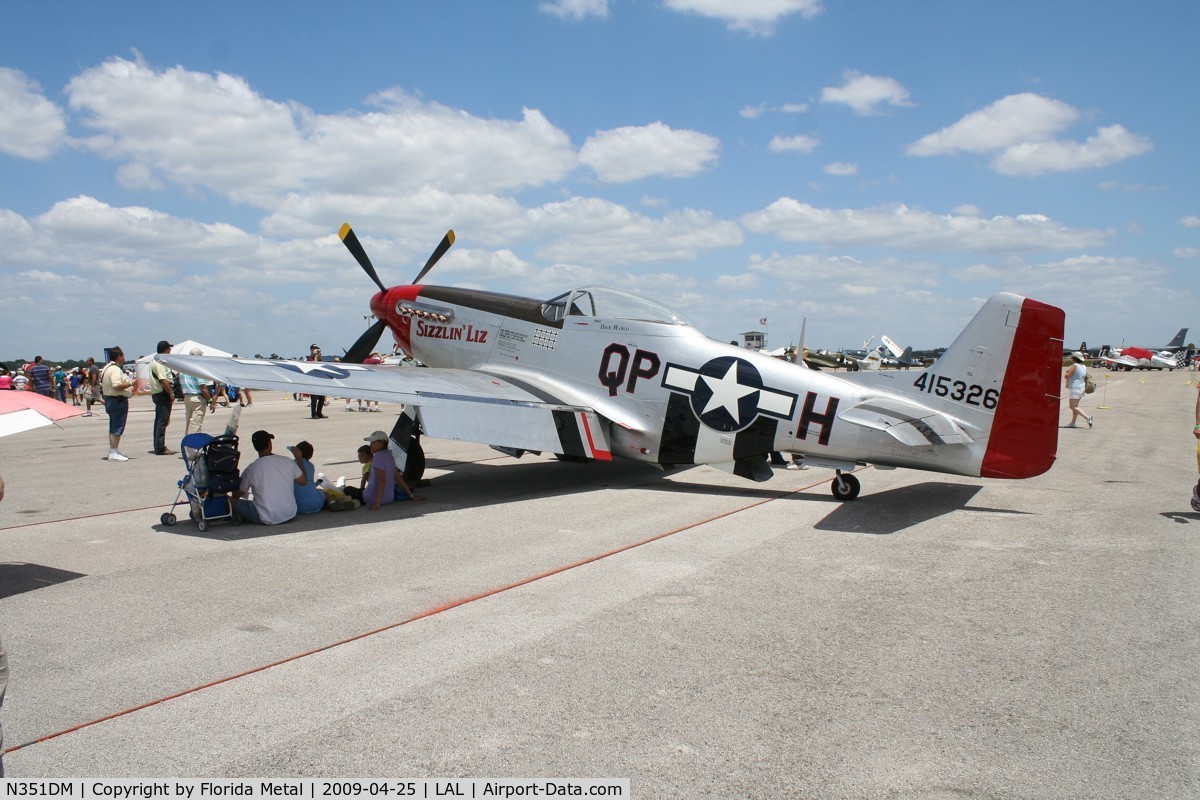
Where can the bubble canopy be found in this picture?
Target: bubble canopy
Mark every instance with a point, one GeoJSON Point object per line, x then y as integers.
{"type": "Point", "coordinates": [601, 301]}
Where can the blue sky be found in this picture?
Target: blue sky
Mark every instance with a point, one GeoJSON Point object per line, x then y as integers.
{"type": "Point", "coordinates": [181, 170]}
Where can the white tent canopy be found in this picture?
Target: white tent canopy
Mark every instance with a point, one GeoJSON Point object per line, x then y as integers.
{"type": "Point", "coordinates": [184, 348]}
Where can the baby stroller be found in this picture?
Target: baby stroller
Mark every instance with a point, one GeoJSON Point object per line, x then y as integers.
{"type": "Point", "coordinates": [212, 473]}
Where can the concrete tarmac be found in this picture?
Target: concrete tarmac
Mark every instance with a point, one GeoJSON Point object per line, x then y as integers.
{"type": "Point", "coordinates": [699, 634]}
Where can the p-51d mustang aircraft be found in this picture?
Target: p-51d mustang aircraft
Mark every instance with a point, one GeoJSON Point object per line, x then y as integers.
{"type": "Point", "coordinates": [599, 373]}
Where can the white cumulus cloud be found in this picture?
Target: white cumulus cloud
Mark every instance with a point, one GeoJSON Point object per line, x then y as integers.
{"type": "Point", "coordinates": [864, 93]}
{"type": "Point", "coordinates": [1022, 131]}
{"type": "Point", "coordinates": [199, 130]}
{"type": "Point", "coordinates": [906, 228]}
{"type": "Point", "coordinates": [31, 126]}
{"type": "Point", "coordinates": [793, 144]}
{"type": "Point", "coordinates": [622, 155]}
{"type": "Point", "coordinates": [575, 9]}
{"type": "Point", "coordinates": [1110, 145]}
{"type": "Point", "coordinates": [757, 17]}
{"type": "Point", "coordinates": [841, 169]}
{"type": "Point", "coordinates": [599, 232]}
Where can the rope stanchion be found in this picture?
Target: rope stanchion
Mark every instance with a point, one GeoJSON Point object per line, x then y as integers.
{"type": "Point", "coordinates": [1104, 396]}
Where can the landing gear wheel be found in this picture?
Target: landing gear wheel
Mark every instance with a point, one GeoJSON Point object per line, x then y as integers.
{"type": "Point", "coordinates": [202, 525]}
{"type": "Point", "coordinates": [845, 487]}
{"type": "Point", "coordinates": [236, 519]}
{"type": "Point", "coordinates": [167, 519]}
{"type": "Point", "coordinates": [414, 467]}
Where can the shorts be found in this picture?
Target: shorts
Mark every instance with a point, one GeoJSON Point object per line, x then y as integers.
{"type": "Point", "coordinates": [117, 409]}
{"type": "Point", "coordinates": [1077, 394]}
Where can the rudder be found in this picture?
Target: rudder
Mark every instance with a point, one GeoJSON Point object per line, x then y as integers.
{"type": "Point", "coordinates": [1024, 436]}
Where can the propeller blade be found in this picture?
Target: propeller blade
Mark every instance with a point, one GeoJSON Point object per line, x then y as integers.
{"type": "Point", "coordinates": [442, 247]}
{"type": "Point", "coordinates": [359, 351]}
{"type": "Point", "coordinates": [360, 255]}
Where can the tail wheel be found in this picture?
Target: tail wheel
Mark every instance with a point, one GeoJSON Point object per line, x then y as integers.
{"type": "Point", "coordinates": [845, 487]}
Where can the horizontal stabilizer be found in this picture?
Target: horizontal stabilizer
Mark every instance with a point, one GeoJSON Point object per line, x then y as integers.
{"type": "Point", "coordinates": [908, 423]}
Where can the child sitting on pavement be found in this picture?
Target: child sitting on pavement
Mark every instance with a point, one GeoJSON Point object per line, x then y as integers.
{"type": "Point", "coordinates": [384, 477]}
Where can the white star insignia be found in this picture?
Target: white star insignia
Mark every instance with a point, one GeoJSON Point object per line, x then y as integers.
{"type": "Point", "coordinates": [726, 391]}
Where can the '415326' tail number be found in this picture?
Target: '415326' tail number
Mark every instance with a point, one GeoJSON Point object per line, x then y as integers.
{"type": "Point", "coordinates": [970, 393]}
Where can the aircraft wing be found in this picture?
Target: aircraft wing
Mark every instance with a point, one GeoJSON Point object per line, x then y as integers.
{"type": "Point", "coordinates": [451, 403]}
{"type": "Point", "coordinates": [908, 423]}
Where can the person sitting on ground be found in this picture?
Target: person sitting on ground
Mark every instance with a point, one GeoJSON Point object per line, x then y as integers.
{"type": "Point", "coordinates": [364, 457]}
{"type": "Point", "coordinates": [268, 481]}
{"type": "Point", "coordinates": [385, 477]}
{"type": "Point", "coordinates": [309, 499]}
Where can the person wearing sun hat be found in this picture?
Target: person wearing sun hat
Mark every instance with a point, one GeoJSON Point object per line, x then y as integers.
{"type": "Point", "coordinates": [384, 476]}
{"type": "Point", "coordinates": [1076, 381]}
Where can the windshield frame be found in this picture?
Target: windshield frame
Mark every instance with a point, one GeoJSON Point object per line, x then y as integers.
{"type": "Point", "coordinates": [608, 303]}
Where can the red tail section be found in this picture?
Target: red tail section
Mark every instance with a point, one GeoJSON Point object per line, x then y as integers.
{"type": "Point", "coordinates": [1024, 436]}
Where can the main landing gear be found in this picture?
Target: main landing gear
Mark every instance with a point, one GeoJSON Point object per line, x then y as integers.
{"type": "Point", "coordinates": [845, 486]}
{"type": "Point", "coordinates": [414, 466]}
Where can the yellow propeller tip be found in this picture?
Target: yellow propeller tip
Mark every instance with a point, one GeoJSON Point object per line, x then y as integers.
{"type": "Point", "coordinates": [345, 229]}
{"type": "Point", "coordinates": [450, 236]}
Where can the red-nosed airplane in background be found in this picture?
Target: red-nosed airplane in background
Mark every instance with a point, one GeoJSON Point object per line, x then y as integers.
{"type": "Point", "coordinates": [600, 373]}
{"type": "Point", "coordinates": [1128, 358]}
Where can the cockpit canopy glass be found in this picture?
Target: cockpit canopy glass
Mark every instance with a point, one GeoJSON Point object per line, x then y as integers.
{"type": "Point", "coordinates": [599, 301]}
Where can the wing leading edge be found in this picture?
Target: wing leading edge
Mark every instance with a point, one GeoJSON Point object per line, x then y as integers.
{"type": "Point", "coordinates": [451, 404]}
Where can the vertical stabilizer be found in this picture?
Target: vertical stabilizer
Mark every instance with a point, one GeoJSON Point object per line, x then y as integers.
{"type": "Point", "coordinates": [1002, 376]}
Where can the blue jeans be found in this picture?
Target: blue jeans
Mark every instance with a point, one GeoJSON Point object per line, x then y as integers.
{"type": "Point", "coordinates": [117, 409]}
{"type": "Point", "coordinates": [246, 510]}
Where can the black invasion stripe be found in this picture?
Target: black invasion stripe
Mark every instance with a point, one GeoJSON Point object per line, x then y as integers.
{"type": "Point", "coordinates": [568, 434]}
{"type": "Point", "coordinates": [680, 431]}
{"type": "Point", "coordinates": [756, 440]}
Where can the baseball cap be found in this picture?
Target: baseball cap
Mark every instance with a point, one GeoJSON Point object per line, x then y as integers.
{"type": "Point", "coordinates": [163, 345]}
{"type": "Point", "coordinates": [260, 439]}
{"type": "Point", "coordinates": [377, 436]}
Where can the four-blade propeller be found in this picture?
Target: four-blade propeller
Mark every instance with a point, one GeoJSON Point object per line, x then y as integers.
{"type": "Point", "coordinates": [366, 343]}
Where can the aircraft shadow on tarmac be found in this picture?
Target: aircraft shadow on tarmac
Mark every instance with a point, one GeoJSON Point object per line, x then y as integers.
{"type": "Point", "coordinates": [477, 486]}
{"type": "Point", "coordinates": [895, 510]}
{"type": "Point", "coordinates": [473, 485]}
{"type": "Point", "coordinates": [20, 577]}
